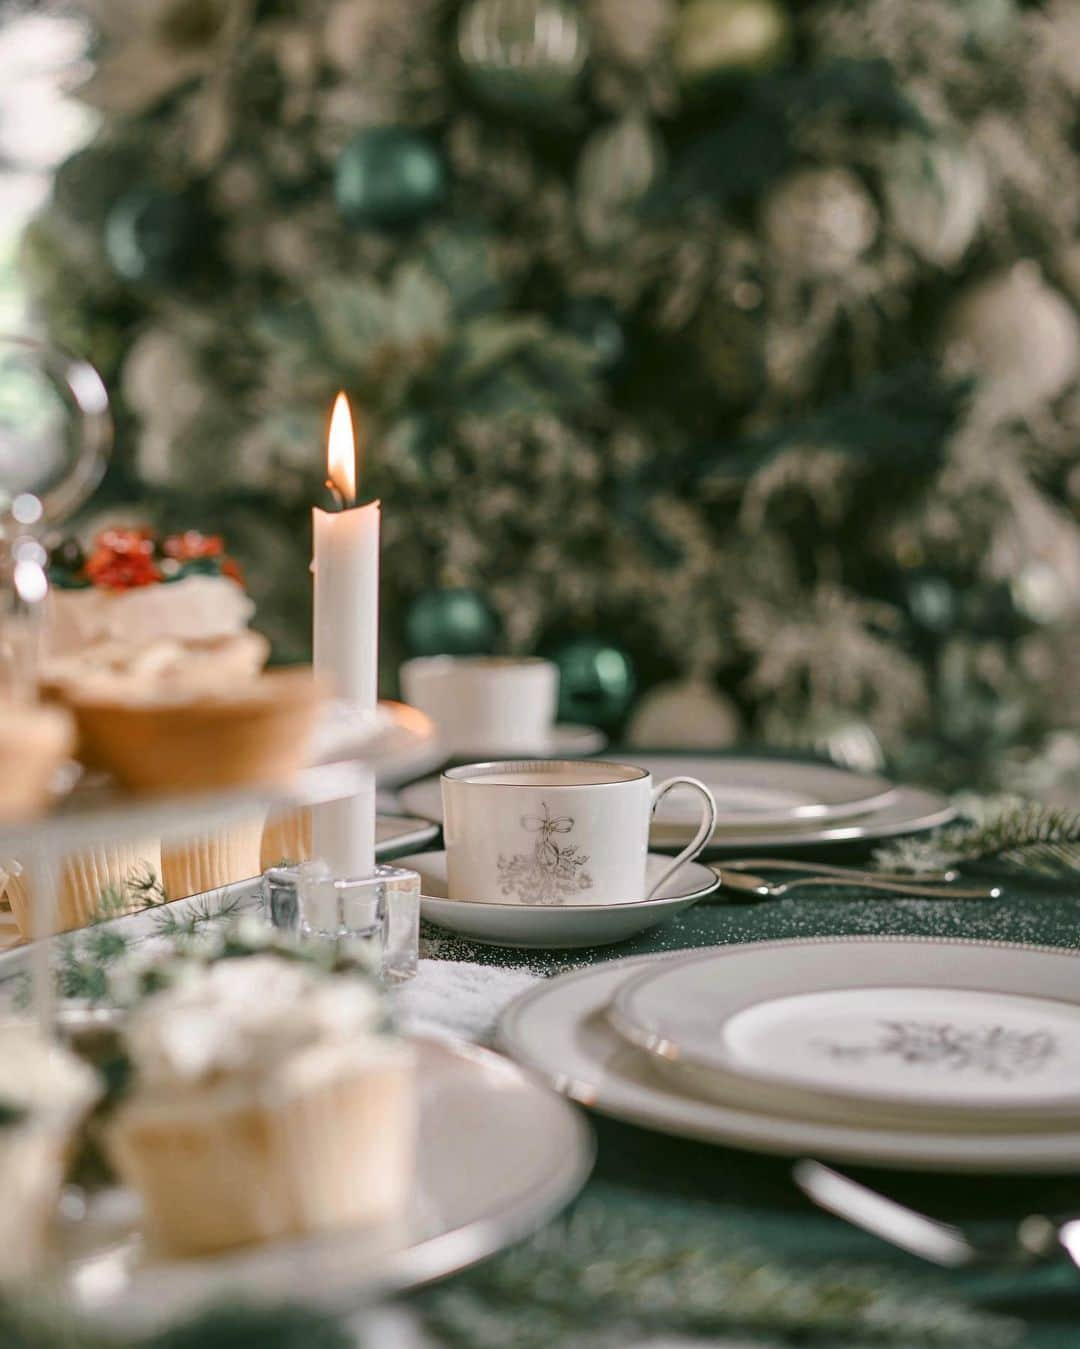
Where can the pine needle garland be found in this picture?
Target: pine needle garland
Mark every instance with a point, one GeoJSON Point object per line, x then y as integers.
{"type": "Point", "coordinates": [1011, 832]}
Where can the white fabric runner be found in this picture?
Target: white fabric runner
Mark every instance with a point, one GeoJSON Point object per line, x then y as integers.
{"type": "Point", "coordinates": [459, 996]}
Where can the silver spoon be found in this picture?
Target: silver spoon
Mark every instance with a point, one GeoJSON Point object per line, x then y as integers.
{"type": "Point", "coordinates": [746, 883]}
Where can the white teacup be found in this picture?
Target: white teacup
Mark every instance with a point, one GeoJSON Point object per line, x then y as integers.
{"type": "Point", "coordinates": [556, 831]}
{"type": "Point", "coordinates": [498, 703]}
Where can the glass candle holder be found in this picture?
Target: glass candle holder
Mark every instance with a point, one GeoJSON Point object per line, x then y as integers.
{"type": "Point", "coordinates": [380, 912]}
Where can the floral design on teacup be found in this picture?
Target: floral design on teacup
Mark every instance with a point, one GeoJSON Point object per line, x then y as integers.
{"type": "Point", "coordinates": [552, 871]}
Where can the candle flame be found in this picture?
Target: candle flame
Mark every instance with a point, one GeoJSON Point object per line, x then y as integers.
{"type": "Point", "coordinates": [341, 451]}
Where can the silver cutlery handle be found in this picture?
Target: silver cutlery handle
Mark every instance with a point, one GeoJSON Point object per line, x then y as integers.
{"type": "Point", "coordinates": [824, 869]}
{"type": "Point", "coordinates": [893, 887]}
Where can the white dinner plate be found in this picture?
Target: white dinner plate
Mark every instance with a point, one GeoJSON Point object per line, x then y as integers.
{"type": "Point", "coordinates": [959, 1039]}
{"type": "Point", "coordinates": [498, 1156]}
{"type": "Point", "coordinates": [560, 1030]}
{"type": "Point", "coordinates": [556, 926]}
{"type": "Point", "coordinates": [908, 810]}
{"type": "Point", "coordinates": [756, 793]}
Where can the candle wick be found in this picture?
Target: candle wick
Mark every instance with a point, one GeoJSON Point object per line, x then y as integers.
{"type": "Point", "coordinates": [335, 494]}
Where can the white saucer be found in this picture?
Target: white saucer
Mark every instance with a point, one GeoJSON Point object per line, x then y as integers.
{"type": "Point", "coordinates": [966, 1040]}
{"type": "Point", "coordinates": [556, 926]}
{"type": "Point", "coordinates": [563, 741]}
{"type": "Point", "coordinates": [559, 1029]}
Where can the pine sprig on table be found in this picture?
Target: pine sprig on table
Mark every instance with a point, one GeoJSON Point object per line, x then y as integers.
{"type": "Point", "coordinates": [205, 909]}
{"type": "Point", "coordinates": [142, 888]}
{"type": "Point", "coordinates": [1024, 835]}
{"type": "Point", "coordinates": [87, 958]}
{"type": "Point", "coordinates": [614, 1268]}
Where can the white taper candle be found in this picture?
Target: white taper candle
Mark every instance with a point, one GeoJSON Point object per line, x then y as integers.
{"type": "Point", "coordinates": [346, 638]}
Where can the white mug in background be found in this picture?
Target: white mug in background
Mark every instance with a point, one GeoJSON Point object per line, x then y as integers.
{"type": "Point", "coordinates": [556, 831]}
{"type": "Point", "coordinates": [503, 704]}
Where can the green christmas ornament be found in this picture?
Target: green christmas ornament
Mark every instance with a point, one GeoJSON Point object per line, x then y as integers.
{"type": "Point", "coordinates": [387, 176]}
{"type": "Point", "coordinates": [594, 320]}
{"type": "Point", "coordinates": [153, 235]}
{"type": "Point", "coordinates": [524, 54]}
{"type": "Point", "coordinates": [455, 622]}
{"type": "Point", "coordinates": [596, 682]}
{"type": "Point", "coordinates": [931, 600]}
{"type": "Point", "coordinates": [712, 37]}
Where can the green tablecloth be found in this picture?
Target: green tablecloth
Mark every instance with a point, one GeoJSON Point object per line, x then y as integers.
{"type": "Point", "coordinates": [675, 1239]}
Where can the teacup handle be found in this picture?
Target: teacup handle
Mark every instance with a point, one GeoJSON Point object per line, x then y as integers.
{"type": "Point", "coordinates": [704, 833]}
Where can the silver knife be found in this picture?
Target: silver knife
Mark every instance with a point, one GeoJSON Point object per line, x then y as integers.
{"type": "Point", "coordinates": [1035, 1237]}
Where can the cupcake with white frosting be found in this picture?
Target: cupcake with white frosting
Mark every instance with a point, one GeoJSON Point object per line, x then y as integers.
{"type": "Point", "coordinates": [140, 617]}
{"type": "Point", "coordinates": [106, 881]}
{"type": "Point", "coordinates": [45, 1091]}
{"type": "Point", "coordinates": [268, 1100]}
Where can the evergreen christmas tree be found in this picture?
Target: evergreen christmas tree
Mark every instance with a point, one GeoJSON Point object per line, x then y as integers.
{"type": "Point", "coordinates": [725, 348]}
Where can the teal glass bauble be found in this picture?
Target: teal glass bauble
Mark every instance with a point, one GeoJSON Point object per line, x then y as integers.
{"type": "Point", "coordinates": [386, 176]}
{"type": "Point", "coordinates": [597, 682]}
{"type": "Point", "coordinates": [455, 622]}
{"type": "Point", "coordinates": [156, 236]}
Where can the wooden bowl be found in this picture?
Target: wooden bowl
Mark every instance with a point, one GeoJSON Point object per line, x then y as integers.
{"type": "Point", "coordinates": [34, 742]}
{"type": "Point", "coordinates": [256, 735]}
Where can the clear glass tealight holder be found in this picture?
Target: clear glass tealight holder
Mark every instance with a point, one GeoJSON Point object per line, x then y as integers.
{"type": "Point", "coordinates": [380, 912]}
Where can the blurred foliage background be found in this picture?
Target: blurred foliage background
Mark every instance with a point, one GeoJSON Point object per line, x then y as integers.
{"type": "Point", "coordinates": [725, 349]}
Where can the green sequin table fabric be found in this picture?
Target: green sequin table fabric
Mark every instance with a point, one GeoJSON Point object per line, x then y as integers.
{"type": "Point", "coordinates": [673, 1242]}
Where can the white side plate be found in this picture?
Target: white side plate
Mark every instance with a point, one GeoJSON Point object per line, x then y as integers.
{"type": "Point", "coordinates": [969, 1040]}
